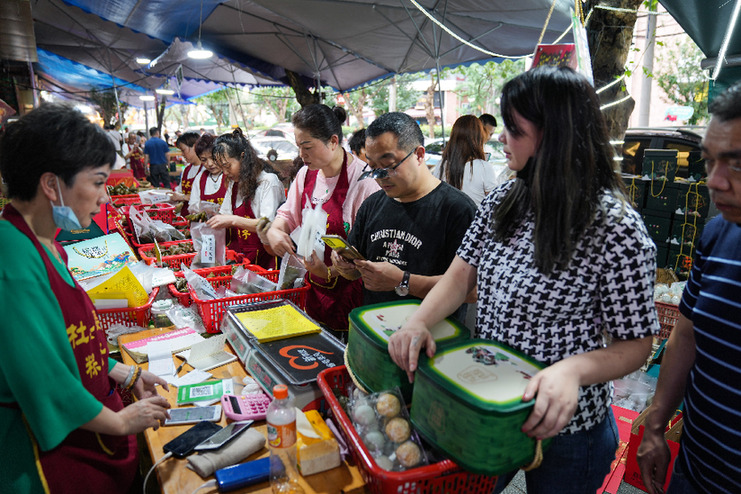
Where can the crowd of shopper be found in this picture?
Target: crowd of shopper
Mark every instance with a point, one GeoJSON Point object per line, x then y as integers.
{"type": "Point", "coordinates": [554, 259]}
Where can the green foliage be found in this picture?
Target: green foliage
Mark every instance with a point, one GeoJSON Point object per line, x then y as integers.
{"type": "Point", "coordinates": [105, 100]}
{"type": "Point", "coordinates": [217, 104]}
{"type": "Point", "coordinates": [280, 101]}
{"type": "Point", "coordinates": [406, 96]}
{"type": "Point", "coordinates": [483, 83]}
{"type": "Point", "coordinates": [683, 81]}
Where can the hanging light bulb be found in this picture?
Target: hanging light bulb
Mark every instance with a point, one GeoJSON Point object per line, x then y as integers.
{"type": "Point", "coordinates": [143, 60]}
{"type": "Point", "coordinates": [164, 90]}
{"type": "Point", "coordinates": [198, 52]}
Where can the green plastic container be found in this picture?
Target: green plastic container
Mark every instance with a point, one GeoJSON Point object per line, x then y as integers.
{"type": "Point", "coordinates": [467, 403]}
{"type": "Point", "coordinates": [660, 164]}
{"type": "Point", "coordinates": [367, 344]}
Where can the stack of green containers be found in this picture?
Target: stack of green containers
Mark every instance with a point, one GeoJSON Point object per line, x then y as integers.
{"type": "Point", "coordinates": [467, 402]}
{"type": "Point", "coordinates": [367, 345]}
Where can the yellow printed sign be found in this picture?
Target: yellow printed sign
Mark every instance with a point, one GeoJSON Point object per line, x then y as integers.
{"type": "Point", "coordinates": [122, 285]}
{"type": "Point", "coordinates": [276, 323]}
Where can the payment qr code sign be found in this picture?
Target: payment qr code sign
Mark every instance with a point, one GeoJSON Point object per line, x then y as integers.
{"type": "Point", "coordinates": [204, 392]}
{"type": "Point", "coordinates": [201, 391]}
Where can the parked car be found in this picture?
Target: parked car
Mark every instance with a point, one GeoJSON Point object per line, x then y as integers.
{"type": "Point", "coordinates": [638, 139]}
{"type": "Point", "coordinates": [434, 152]}
{"type": "Point", "coordinates": [274, 148]}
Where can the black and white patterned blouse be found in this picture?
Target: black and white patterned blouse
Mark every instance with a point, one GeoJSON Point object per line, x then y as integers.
{"type": "Point", "coordinates": [607, 286]}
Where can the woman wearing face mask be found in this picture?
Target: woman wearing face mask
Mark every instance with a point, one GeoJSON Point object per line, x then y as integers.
{"type": "Point", "coordinates": [210, 185]}
{"type": "Point", "coordinates": [186, 143]}
{"type": "Point", "coordinates": [60, 411]}
{"type": "Point", "coordinates": [255, 192]}
{"type": "Point", "coordinates": [330, 179]}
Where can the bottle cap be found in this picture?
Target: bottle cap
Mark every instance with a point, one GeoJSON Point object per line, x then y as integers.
{"type": "Point", "coordinates": [280, 391]}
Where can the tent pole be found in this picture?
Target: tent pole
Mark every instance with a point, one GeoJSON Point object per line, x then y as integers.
{"type": "Point", "coordinates": [440, 92]}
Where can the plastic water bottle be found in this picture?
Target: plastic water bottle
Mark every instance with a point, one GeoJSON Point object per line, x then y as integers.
{"type": "Point", "coordinates": [281, 419]}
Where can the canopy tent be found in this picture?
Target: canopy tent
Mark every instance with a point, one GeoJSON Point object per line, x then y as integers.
{"type": "Point", "coordinates": [707, 23]}
{"type": "Point", "coordinates": [342, 43]}
{"type": "Point", "coordinates": [79, 51]}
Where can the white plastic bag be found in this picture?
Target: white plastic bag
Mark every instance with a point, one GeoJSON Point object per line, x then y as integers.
{"type": "Point", "coordinates": [245, 281]}
{"type": "Point", "coordinates": [313, 226]}
{"type": "Point", "coordinates": [292, 272]}
{"type": "Point", "coordinates": [209, 244]}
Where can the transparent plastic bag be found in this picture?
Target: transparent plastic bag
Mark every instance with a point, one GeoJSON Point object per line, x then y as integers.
{"type": "Point", "coordinates": [313, 226]}
{"type": "Point", "coordinates": [209, 244]}
{"type": "Point", "coordinates": [292, 272]}
{"type": "Point", "coordinates": [245, 281]}
{"type": "Point", "coordinates": [199, 284]}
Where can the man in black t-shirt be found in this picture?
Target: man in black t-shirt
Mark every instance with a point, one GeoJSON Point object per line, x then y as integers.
{"type": "Point", "coordinates": [408, 231]}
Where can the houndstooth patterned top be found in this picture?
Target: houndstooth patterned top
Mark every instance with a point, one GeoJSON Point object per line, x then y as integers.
{"type": "Point", "coordinates": [607, 286]}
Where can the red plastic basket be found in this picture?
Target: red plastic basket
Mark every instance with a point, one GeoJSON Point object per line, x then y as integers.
{"type": "Point", "coordinates": [219, 272]}
{"type": "Point", "coordinates": [443, 477]}
{"type": "Point", "coordinates": [159, 211]}
{"type": "Point", "coordinates": [212, 311]}
{"type": "Point", "coordinates": [146, 253]}
{"type": "Point", "coordinates": [125, 200]}
{"type": "Point", "coordinates": [180, 222]}
{"type": "Point", "coordinates": [132, 316]}
{"type": "Point", "coordinates": [668, 315]}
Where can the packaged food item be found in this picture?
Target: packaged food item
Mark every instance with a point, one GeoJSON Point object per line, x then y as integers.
{"type": "Point", "coordinates": [382, 422]}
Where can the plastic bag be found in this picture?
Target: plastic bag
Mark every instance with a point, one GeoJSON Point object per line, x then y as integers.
{"type": "Point", "coordinates": [148, 230]}
{"type": "Point", "coordinates": [245, 281]}
{"type": "Point", "coordinates": [292, 272]}
{"type": "Point", "coordinates": [209, 244]}
{"type": "Point", "coordinates": [186, 317]}
{"type": "Point", "coordinates": [199, 284]}
{"type": "Point", "coordinates": [313, 226]}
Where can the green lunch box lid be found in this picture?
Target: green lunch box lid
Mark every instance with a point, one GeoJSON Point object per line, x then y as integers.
{"type": "Point", "coordinates": [379, 321]}
{"type": "Point", "coordinates": [483, 373]}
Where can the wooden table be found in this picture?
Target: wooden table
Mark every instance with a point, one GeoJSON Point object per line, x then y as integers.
{"type": "Point", "coordinates": [175, 478]}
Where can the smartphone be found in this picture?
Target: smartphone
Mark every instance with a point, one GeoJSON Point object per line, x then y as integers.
{"type": "Point", "coordinates": [344, 249]}
{"type": "Point", "coordinates": [224, 435]}
{"type": "Point", "coordinates": [191, 415]}
{"type": "Point", "coordinates": [242, 475]}
{"type": "Point", "coordinates": [185, 443]}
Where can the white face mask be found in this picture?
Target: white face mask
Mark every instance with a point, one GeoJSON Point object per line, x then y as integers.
{"type": "Point", "coordinates": [64, 217]}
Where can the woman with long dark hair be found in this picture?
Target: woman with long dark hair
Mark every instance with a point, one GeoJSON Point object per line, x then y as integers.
{"type": "Point", "coordinates": [255, 192]}
{"type": "Point", "coordinates": [564, 269]}
{"type": "Point", "coordinates": [464, 164]}
{"type": "Point", "coordinates": [330, 179]}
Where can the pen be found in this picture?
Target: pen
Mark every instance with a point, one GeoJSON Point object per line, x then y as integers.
{"type": "Point", "coordinates": [180, 368]}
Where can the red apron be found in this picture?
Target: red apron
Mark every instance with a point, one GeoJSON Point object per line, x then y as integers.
{"type": "Point", "coordinates": [85, 461]}
{"type": "Point", "coordinates": [186, 185]}
{"type": "Point", "coordinates": [330, 301]}
{"type": "Point", "coordinates": [245, 241]}
{"type": "Point", "coordinates": [218, 196]}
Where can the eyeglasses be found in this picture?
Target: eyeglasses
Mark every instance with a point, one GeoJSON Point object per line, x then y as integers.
{"type": "Point", "coordinates": [380, 173]}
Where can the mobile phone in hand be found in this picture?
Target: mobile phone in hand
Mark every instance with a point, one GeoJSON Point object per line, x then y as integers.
{"type": "Point", "coordinates": [343, 248]}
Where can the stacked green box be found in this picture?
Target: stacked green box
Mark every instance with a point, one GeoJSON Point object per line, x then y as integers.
{"type": "Point", "coordinates": [367, 345]}
{"type": "Point", "coordinates": [661, 197]}
{"type": "Point", "coordinates": [696, 167]}
{"type": "Point", "coordinates": [686, 230]}
{"type": "Point", "coordinates": [636, 189]}
{"type": "Point", "coordinates": [467, 403]}
{"type": "Point", "coordinates": [658, 224]}
{"type": "Point", "coordinates": [660, 164]}
{"type": "Point", "coordinates": [680, 260]}
{"type": "Point", "coordinates": [692, 198]}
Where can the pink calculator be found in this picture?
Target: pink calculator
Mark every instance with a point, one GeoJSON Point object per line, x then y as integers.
{"type": "Point", "coordinates": [253, 406]}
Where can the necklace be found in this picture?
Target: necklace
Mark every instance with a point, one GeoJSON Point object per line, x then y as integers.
{"type": "Point", "coordinates": [214, 180]}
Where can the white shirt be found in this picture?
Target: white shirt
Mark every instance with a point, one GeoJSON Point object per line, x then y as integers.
{"type": "Point", "coordinates": [479, 178]}
{"type": "Point", "coordinates": [270, 194]}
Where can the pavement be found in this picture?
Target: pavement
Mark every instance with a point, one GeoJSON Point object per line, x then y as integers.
{"type": "Point", "coordinates": [518, 486]}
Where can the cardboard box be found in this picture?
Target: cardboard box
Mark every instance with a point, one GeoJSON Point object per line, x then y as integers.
{"type": "Point", "coordinates": [672, 434]}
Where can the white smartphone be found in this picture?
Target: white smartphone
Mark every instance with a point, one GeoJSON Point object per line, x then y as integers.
{"type": "Point", "coordinates": [224, 435]}
{"type": "Point", "coordinates": [191, 415]}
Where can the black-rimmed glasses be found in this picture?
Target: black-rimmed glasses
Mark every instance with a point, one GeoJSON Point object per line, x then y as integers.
{"type": "Point", "coordinates": [380, 173]}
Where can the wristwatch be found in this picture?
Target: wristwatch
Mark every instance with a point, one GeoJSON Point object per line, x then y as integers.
{"type": "Point", "coordinates": [403, 289]}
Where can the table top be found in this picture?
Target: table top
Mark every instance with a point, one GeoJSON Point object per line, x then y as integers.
{"type": "Point", "coordinates": [175, 478]}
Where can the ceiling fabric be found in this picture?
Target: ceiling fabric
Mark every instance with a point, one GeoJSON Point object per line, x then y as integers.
{"type": "Point", "coordinates": [342, 43]}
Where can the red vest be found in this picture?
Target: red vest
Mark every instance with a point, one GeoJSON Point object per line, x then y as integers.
{"type": "Point", "coordinates": [218, 196]}
{"type": "Point", "coordinates": [85, 461]}
{"type": "Point", "coordinates": [245, 241]}
{"type": "Point", "coordinates": [330, 301]}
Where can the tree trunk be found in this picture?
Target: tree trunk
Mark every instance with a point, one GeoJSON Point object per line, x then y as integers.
{"type": "Point", "coordinates": [610, 34]}
{"type": "Point", "coordinates": [430, 107]}
{"type": "Point", "coordinates": [357, 108]}
{"type": "Point", "coordinates": [160, 111]}
{"type": "Point", "coordinates": [303, 95]}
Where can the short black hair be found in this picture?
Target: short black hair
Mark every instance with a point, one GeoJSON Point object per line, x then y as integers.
{"type": "Point", "coordinates": [727, 105]}
{"type": "Point", "coordinates": [488, 119]}
{"type": "Point", "coordinates": [357, 141]}
{"type": "Point", "coordinates": [321, 121]}
{"type": "Point", "coordinates": [153, 131]}
{"type": "Point", "coordinates": [53, 138]}
{"type": "Point", "coordinates": [188, 139]}
{"type": "Point", "coordinates": [400, 124]}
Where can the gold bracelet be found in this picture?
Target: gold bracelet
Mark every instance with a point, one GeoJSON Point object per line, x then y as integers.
{"type": "Point", "coordinates": [329, 273]}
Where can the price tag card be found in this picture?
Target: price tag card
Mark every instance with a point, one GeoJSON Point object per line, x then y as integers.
{"type": "Point", "coordinates": [208, 249]}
